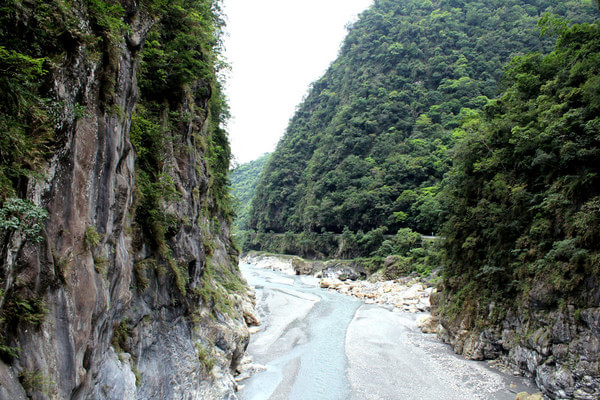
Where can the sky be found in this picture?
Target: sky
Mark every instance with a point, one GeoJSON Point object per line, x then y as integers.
{"type": "Point", "coordinates": [276, 49]}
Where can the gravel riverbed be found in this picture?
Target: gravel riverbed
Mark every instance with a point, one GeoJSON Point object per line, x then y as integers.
{"type": "Point", "coordinates": [316, 343]}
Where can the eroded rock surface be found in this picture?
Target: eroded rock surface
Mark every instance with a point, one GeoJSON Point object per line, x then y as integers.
{"type": "Point", "coordinates": [113, 321]}
{"type": "Point", "coordinates": [560, 348]}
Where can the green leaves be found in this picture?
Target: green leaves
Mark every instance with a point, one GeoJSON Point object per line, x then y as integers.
{"type": "Point", "coordinates": [109, 16]}
{"type": "Point", "coordinates": [184, 46]}
{"type": "Point", "coordinates": [522, 195]}
{"type": "Point", "coordinates": [552, 25]}
{"type": "Point", "coordinates": [23, 216]}
{"type": "Point", "coordinates": [23, 118]}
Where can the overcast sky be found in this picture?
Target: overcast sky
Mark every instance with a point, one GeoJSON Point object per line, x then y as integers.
{"type": "Point", "coordinates": [276, 48]}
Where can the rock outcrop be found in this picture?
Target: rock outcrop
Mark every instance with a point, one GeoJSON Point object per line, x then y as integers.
{"type": "Point", "coordinates": [274, 262]}
{"type": "Point", "coordinates": [558, 348]}
{"type": "Point", "coordinates": [92, 312]}
{"type": "Point", "coordinates": [407, 294]}
{"type": "Point", "coordinates": [332, 269]}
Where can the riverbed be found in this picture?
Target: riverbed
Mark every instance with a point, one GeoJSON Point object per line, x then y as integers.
{"type": "Point", "coordinates": [318, 344]}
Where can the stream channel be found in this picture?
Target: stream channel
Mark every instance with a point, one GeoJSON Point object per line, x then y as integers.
{"type": "Point", "coordinates": [317, 344]}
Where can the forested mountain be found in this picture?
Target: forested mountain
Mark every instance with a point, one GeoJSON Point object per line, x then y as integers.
{"type": "Point", "coordinates": [522, 272]}
{"type": "Point", "coordinates": [420, 125]}
{"type": "Point", "coordinates": [243, 183]}
{"type": "Point", "coordinates": [368, 147]}
{"type": "Point", "coordinates": [523, 195]}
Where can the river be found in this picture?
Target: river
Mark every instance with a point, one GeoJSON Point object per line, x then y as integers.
{"type": "Point", "coordinates": [321, 345]}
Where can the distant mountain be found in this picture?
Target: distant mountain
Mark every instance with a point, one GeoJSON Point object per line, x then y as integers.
{"type": "Point", "coordinates": [243, 183]}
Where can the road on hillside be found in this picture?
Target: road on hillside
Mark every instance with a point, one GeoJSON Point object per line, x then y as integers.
{"type": "Point", "coordinates": [320, 345]}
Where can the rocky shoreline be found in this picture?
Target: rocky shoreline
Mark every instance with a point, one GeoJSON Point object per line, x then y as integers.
{"type": "Point", "coordinates": [400, 295]}
{"type": "Point", "coordinates": [408, 294]}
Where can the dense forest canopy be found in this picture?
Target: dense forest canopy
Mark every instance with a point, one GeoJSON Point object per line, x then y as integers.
{"type": "Point", "coordinates": [522, 234]}
{"type": "Point", "coordinates": [523, 195]}
{"type": "Point", "coordinates": [370, 144]}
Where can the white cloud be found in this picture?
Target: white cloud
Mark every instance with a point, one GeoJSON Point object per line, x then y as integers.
{"type": "Point", "coordinates": [276, 49]}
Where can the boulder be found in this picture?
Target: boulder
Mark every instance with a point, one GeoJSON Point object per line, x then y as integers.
{"type": "Point", "coordinates": [427, 324]}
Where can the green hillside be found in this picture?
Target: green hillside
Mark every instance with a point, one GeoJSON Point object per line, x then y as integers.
{"type": "Point", "coordinates": [367, 150]}
{"type": "Point", "coordinates": [522, 238]}
{"type": "Point", "coordinates": [243, 183]}
{"type": "Point", "coordinates": [477, 122]}
{"type": "Point", "coordinates": [523, 195]}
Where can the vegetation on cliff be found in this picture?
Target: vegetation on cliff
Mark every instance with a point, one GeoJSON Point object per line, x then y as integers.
{"type": "Point", "coordinates": [180, 114]}
{"type": "Point", "coordinates": [522, 238]}
{"type": "Point", "coordinates": [182, 49]}
{"type": "Point", "coordinates": [115, 205]}
{"type": "Point", "coordinates": [179, 94]}
{"type": "Point", "coordinates": [523, 195]}
{"type": "Point", "coordinates": [367, 150]}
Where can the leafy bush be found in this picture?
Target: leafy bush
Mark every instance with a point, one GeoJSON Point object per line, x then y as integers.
{"type": "Point", "coordinates": [18, 308]}
{"type": "Point", "coordinates": [23, 216]}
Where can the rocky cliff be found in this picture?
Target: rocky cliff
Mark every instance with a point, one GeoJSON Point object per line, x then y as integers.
{"type": "Point", "coordinates": [112, 302]}
{"type": "Point", "coordinates": [558, 348]}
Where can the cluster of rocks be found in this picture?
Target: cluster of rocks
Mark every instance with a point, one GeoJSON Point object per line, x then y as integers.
{"type": "Point", "coordinates": [406, 294]}
{"type": "Point", "coordinates": [403, 294]}
{"type": "Point", "coordinates": [246, 369]}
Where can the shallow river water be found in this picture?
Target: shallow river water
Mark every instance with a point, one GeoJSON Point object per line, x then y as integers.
{"type": "Point", "coordinates": [322, 345]}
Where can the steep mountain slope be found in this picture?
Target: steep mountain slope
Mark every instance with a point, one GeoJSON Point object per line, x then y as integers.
{"type": "Point", "coordinates": [243, 182]}
{"type": "Point", "coordinates": [523, 235]}
{"type": "Point", "coordinates": [118, 273]}
{"type": "Point", "coordinates": [368, 147]}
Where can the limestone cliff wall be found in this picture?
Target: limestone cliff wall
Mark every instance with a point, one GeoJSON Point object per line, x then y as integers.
{"type": "Point", "coordinates": [90, 312]}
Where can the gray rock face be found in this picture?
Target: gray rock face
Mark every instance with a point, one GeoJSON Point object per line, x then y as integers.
{"type": "Point", "coordinates": [116, 379]}
{"type": "Point", "coordinates": [103, 335]}
{"type": "Point", "coordinates": [344, 270]}
{"type": "Point", "coordinates": [559, 348]}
